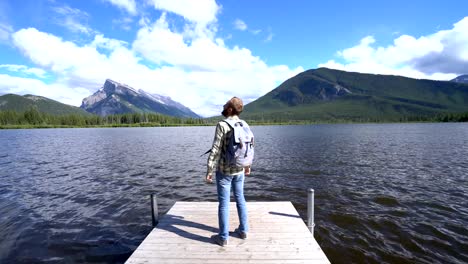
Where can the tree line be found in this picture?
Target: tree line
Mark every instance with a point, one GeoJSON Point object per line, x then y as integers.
{"type": "Point", "coordinates": [452, 117]}
{"type": "Point", "coordinates": [32, 117]}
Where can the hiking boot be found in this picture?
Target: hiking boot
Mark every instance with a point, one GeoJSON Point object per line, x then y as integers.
{"type": "Point", "coordinates": [218, 240]}
{"type": "Point", "coordinates": [242, 235]}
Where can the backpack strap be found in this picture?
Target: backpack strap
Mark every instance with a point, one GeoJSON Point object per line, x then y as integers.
{"type": "Point", "coordinates": [208, 151]}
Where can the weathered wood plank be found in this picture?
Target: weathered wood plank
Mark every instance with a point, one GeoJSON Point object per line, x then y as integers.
{"type": "Point", "coordinates": [232, 255]}
{"type": "Point", "coordinates": [277, 235]}
{"type": "Point", "coordinates": [251, 247]}
{"type": "Point", "coordinates": [236, 244]}
{"type": "Point", "coordinates": [137, 260]}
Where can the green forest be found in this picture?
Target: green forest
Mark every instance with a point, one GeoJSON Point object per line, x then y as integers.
{"type": "Point", "coordinates": [32, 118]}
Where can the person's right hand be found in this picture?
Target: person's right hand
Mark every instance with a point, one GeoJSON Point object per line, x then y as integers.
{"type": "Point", "coordinates": [209, 178]}
{"type": "Point", "coordinates": [247, 171]}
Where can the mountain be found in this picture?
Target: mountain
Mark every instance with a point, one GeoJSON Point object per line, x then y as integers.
{"type": "Point", "coordinates": [117, 98]}
{"type": "Point", "coordinates": [328, 95]}
{"type": "Point", "coordinates": [461, 79]}
{"type": "Point", "coordinates": [23, 103]}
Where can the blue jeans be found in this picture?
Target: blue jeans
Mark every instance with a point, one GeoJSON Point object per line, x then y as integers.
{"type": "Point", "coordinates": [224, 183]}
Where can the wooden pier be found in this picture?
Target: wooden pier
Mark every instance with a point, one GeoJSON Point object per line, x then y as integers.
{"type": "Point", "coordinates": [277, 235]}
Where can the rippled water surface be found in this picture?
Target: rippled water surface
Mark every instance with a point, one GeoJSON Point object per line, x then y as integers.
{"type": "Point", "coordinates": [395, 193]}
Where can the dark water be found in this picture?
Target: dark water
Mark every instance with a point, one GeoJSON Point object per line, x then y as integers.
{"type": "Point", "coordinates": [385, 193]}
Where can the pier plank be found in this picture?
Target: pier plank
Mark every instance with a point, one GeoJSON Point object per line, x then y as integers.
{"type": "Point", "coordinates": [277, 235]}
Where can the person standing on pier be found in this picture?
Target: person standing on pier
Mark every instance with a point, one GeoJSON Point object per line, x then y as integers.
{"type": "Point", "coordinates": [232, 135]}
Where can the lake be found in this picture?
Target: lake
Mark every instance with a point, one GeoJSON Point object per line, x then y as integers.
{"type": "Point", "coordinates": [385, 193]}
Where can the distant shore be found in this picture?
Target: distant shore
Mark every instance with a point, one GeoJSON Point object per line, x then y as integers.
{"type": "Point", "coordinates": [35, 119]}
{"type": "Point", "coordinates": [45, 126]}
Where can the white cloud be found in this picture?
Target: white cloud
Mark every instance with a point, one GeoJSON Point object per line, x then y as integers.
{"type": "Point", "coordinates": [161, 45]}
{"type": "Point", "coordinates": [52, 52]}
{"type": "Point", "coordinates": [202, 12]}
{"type": "Point", "coordinates": [191, 65]}
{"type": "Point", "coordinates": [127, 5]}
{"type": "Point", "coordinates": [110, 44]}
{"type": "Point", "coordinates": [201, 75]}
{"type": "Point", "coordinates": [40, 73]}
{"type": "Point", "coordinates": [57, 91]}
{"type": "Point", "coordinates": [203, 72]}
{"type": "Point", "coordinates": [442, 55]}
{"type": "Point", "coordinates": [240, 25]}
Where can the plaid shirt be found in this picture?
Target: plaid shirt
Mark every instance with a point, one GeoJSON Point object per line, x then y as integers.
{"type": "Point", "coordinates": [220, 143]}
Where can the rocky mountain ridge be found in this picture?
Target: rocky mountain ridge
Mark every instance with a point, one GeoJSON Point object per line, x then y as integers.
{"type": "Point", "coordinates": [118, 98]}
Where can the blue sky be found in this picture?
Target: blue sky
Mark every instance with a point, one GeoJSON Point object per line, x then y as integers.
{"type": "Point", "coordinates": [203, 52]}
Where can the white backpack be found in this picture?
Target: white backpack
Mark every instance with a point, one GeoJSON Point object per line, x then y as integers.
{"type": "Point", "coordinates": [240, 150]}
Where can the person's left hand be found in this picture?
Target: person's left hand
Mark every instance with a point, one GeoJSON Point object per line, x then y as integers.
{"type": "Point", "coordinates": [209, 178]}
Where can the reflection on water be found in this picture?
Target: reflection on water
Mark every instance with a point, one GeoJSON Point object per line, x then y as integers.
{"type": "Point", "coordinates": [391, 193]}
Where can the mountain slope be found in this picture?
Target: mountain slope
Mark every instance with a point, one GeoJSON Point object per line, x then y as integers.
{"type": "Point", "coordinates": [117, 98]}
{"type": "Point", "coordinates": [461, 79]}
{"type": "Point", "coordinates": [325, 94]}
{"type": "Point", "coordinates": [23, 103]}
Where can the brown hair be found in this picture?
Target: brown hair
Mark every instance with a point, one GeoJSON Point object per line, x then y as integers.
{"type": "Point", "coordinates": [236, 104]}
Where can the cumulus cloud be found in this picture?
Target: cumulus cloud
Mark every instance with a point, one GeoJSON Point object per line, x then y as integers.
{"type": "Point", "coordinates": [127, 5]}
{"type": "Point", "coordinates": [211, 72]}
{"type": "Point", "coordinates": [452, 57]}
{"type": "Point", "coordinates": [193, 67]}
{"type": "Point", "coordinates": [160, 44]}
{"type": "Point", "coordinates": [442, 55]}
{"type": "Point", "coordinates": [52, 52]}
{"type": "Point", "coordinates": [110, 44]}
{"type": "Point", "coordinates": [80, 66]}
{"type": "Point", "coordinates": [240, 25]}
{"type": "Point", "coordinates": [202, 12]}
{"type": "Point", "coordinates": [204, 64]}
